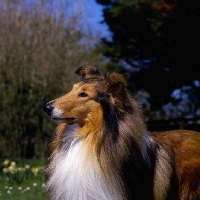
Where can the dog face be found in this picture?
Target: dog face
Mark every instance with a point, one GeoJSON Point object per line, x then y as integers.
{"type": "Point", "coordinates": [86, 95]}
{"type": "Point", "coordinates": [74, 106]}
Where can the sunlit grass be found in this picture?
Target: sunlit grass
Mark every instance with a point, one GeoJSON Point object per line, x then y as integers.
{"type": "Point", "coordinates": [22, 180]}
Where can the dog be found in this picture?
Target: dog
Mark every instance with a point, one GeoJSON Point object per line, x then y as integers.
{"type": "Point", "coordinates": [102, 150]}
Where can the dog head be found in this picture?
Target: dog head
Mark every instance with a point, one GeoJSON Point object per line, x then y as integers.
{"type": "Point", "coordinates": [94, 90]}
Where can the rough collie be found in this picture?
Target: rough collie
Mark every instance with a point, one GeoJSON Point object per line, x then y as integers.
{"type": "Point", "coordinates": [101, 149]}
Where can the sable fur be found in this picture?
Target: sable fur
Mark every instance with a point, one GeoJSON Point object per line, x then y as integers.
{"type": "Point", "coordinates": [101, 148]}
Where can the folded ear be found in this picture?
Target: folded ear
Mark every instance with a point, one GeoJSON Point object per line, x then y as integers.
{"type": "Point", "coordinates": [88, 72]}
{"type": "Point", "coordinates": [115, 81]}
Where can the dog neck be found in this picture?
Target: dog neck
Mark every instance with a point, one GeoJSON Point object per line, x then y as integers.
{"type": "Point", "coordinates": [77, 173]}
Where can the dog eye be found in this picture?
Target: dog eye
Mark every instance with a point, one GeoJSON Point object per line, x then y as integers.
{"type": "Point", "coordinates": [82, 94]}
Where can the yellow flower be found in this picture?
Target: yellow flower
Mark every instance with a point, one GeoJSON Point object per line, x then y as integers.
{"type": "Point", "coordinates": [6, 162]}
{"type": "Point", "coordinates": [35, 171]}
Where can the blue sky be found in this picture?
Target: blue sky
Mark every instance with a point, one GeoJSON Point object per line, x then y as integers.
{"type": "Point", "coordinates": [95, 11]}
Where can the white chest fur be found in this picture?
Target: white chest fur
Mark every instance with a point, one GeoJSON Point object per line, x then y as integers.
{"type": "Point", "coordinates": [77, 177]}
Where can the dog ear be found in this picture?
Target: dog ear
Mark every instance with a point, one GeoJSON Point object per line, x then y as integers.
{"type": "Point", "coordinates": [113, 85]}
{"type": "Point", "coordinates": [88, 72]}
{"type": "Point", "coordinates": [115, 81]}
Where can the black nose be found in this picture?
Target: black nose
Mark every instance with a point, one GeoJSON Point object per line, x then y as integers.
{"type": "Point", "coordinates": [48, 108]}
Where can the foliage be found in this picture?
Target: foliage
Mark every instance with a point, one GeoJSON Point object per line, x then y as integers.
{"type": "Point", "coordinates": [156, 42]}
{"type": "Point", "coordinates": [41, 43]}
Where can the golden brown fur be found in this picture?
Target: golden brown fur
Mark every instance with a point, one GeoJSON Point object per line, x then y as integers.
{"type": "Point", "coordinates": [117, 156]}
{"type": "Point", "coordinates": [186, 150]}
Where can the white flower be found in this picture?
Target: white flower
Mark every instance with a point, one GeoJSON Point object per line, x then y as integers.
{"type": "Point", "coordinates": [27, 166]}
{"type": "Point", "coordinates": [5, 170]}
{"type": "Point", "coordinates": [20, 169]}
{"type": "Point", "coordinates": [34, 184]}
{"type": "Point", "coordinates": [19, 188]}
{"type": "Point", "coordinates": [12, 169]}
{"type": "Point", "coordinates": [43, 185]}
{"type": "Point", "coordinates": [13, 164]}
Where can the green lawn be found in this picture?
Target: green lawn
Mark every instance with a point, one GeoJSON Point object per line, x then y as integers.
{"type": "Point", "coordinates": [30, 190]}
{"type": "Point", "coordinates": [22, 180]}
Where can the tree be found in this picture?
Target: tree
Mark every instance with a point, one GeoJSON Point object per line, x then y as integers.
{"type": "Point", "coordinates": [41, 44]}
{"type": "Point", "coordinates": [156, 43]}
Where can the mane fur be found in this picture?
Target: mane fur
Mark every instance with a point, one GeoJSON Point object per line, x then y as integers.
{"type": "Point", "coordinates": [132, 152]}
{"type": "Point", "coordinates": [112, 156]}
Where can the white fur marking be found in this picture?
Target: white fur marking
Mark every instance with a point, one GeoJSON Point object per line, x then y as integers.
{"type": "Point", "coordinates": [71, 129]}
{"type": "Point", "coordinates": [76, 176]}
{"type": "Point", "coordinates": [57, 113]}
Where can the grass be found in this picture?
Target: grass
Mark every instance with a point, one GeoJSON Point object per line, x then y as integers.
{"type": "Point", "coordinates": [22, 179]}
{"type": "Point", "coordinates": [31, 190]}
